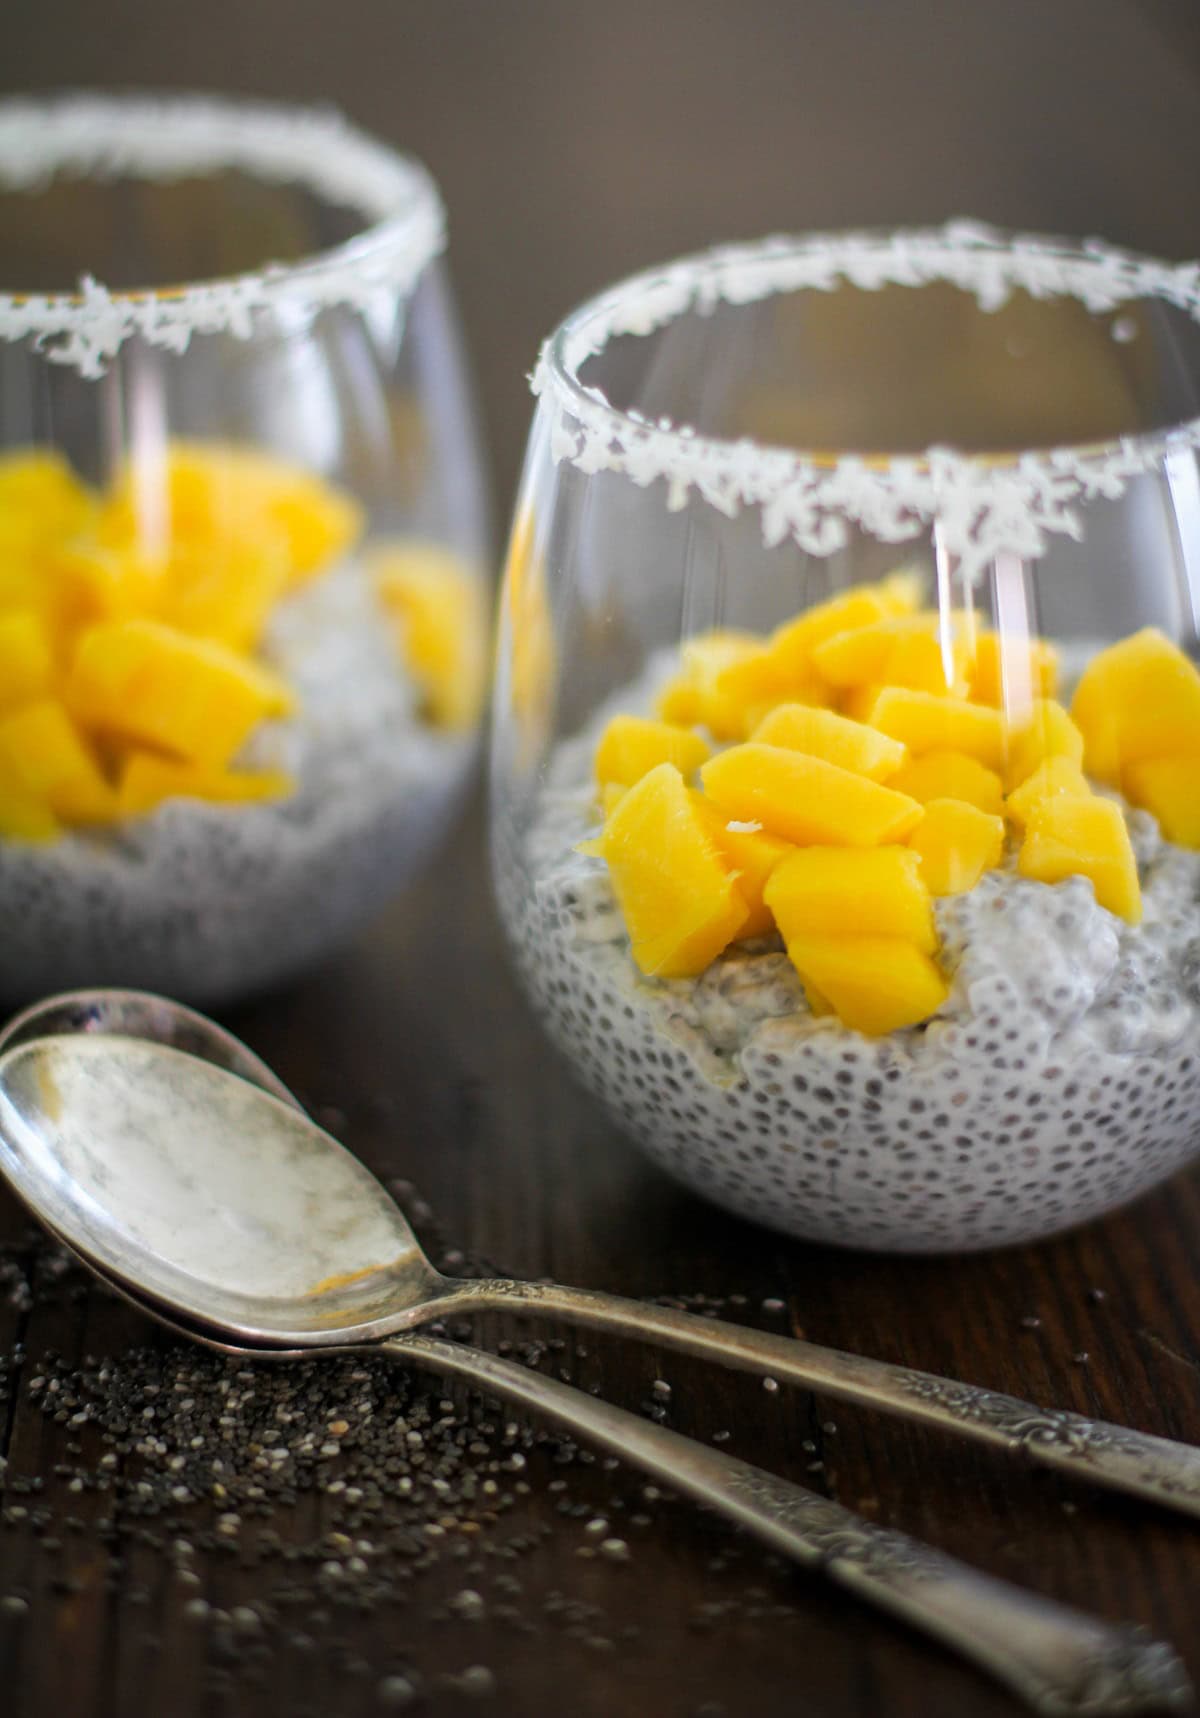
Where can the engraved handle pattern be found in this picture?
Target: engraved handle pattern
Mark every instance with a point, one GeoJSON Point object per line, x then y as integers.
{"type": "Point", "coordinates": [1163, 1471]}
{"type": "Point", "coordinates": [1058, 1660]}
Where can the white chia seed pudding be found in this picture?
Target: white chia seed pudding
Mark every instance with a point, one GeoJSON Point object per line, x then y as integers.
{"type": "Point", "coordinates": [205, 900]}
{"type": "Point", "coordinates": [1060, 1079]}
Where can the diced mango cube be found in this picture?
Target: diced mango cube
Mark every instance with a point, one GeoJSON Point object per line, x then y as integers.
{"type": "Point", "coordinates": [225, 590]}
{"type": "Point", "coordinates": [143, 681]}
{"type": "Point", "coordinates": [951, 775]}
{"type": "Point", "coordinates": [824, 734]}
{"type": "Point", "coordinates": [147, 779]}
{"type": "Point", "coordinates": [805, 799]}
{"type": "Point", "coordinates": [751, 854]}
{"type": "Point", "coordinates": [439, 602]}
{"type": "Point", "coordinates": [875, 985]}
{"type": "Point", "coordinates": [1170, 789]}
{"type": "Point", "coordinates": [692, 697]}
{"type": "Point", "coordinates": [956, 843]}
{"type": "Point", "coordinates": [680, 904]}
{"type": "Point", "coordinates": [782, 667]}
{"type": "Point", "coordinates": [611, 795]}
{"type": "Point", "coordinates": [927, 723]}
{"type": "Point", "coordinates": [631, 746]}
{"type": "Point", "coordinates": [852, 892]}
{"type": "Point", "coordinates": [1012, 671]}
{"type": "Point", "coordinates": [1050, 780]}
{"type": "Point", "coordinates": [1069, 837]}
{"type": "Point", "coordinates": [860, 701]}
{"type": "Point", "coordinates": [26, 664]}
{"type": "Point", "coordinates": [44, 754]}
{"type": "Point", "coordinates": [1138, 699]}
{"type": "Point", "coordinates": [1047, 732]}
{"type": "Point", "coordinates": [41, 499]}
{"type": "Point", "coordinates": [903, 650]}
{"type": "Point", "coordinates": [94, 581]}
{"type": "Point", "coordinates": [196, 492]}
{"type": "Point", "coordinates": [22, 817]}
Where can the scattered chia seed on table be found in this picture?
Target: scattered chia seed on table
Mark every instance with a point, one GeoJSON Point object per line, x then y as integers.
{"type": "Point", "coordinates": [217, 1483]}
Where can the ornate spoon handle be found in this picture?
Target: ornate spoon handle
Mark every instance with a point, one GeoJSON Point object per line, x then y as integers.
{"type": "Point", "coordinates": [1058, 1660]}
{"type": "Point", "coordinates": [1156, 1468]}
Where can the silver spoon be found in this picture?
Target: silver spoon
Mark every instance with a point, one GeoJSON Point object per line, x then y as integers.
{"type": "Point", "coordinates": [119, 1145]}
{"type": "Point", "coordinates": [385, 1284]}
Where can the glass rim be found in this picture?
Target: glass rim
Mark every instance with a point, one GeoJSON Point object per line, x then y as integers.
{"type": "Point", "coordinates": [160, 138]}
{"type": "Point", "coordinates": [980, 504]}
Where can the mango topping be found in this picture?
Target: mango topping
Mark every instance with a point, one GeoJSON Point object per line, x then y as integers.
{"type": "Point", "coordinates": [1069, 836]}
{"type": "Point", "coordinates": [824, 734]}
{"type": "Point", "coordinates": [925, 722]}
{"type": "Point", "coordinates": [951, 775]}
{"type": "Point", "coordinates": [131, 621]}
{"type": "Point", "coordinates": [631, 746]}
{"type": "Point", "coordinates": [141, 681]}
{"type": "Point", "coordinates": [438, 602]}
{"type": "Point", "coordinates": [874, 985]}
{"type": "Point", "coordinates": [1055, 777]}
{"type": "Point", "coordinates": [1170, 788]}
{"type": "Point", "coordinates": [864, 755]}
{"type": "Point", "coordinates": [1047, 732]}
{"type": "Point", "coordinates": [680, 903]}
{"type": "Point", "coordinates": [852, 891]}
{"type": "Point", "coordinates": [956, 843]}
{"type": "Point", "coordinates": [806, 800]}
{"type": "Point", "coordinates": [47, 759]}
{"type": "Point", "coordinates": [1138, 699]}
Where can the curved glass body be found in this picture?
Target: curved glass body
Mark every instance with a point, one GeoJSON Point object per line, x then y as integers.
{"type": "Point", "coordinates": [243, 605]}
{"type": "Point", "coordinates": [846, 805]}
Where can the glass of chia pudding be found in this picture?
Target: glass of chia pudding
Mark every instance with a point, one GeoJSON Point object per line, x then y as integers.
{"type": "Point", "coordinates": [243, 602]}
{"type": "Point", "coordinates": [846, 752]}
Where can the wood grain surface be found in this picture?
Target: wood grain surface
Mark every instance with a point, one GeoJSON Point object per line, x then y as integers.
{"type": "Point", "coordinates": [575, 143]}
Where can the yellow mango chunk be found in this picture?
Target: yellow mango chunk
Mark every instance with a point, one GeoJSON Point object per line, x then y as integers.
{"type": "Point", "coordinates": [41, 499]}
{"type": "Point", "coordinates": [225, 591]}
{"type": "Point", "coordinates": [1137, 699]}
{"type": "Point", "coordinates": [751, 855]}
{"type": "Point", "coordinates": [26, 664]}
{"type": "Point", "coordinates": [528, 633]}
{"type": "Point", "coordinates": [1069, 837]}
{"type": "Point", "coordinates": [956, 843]}
{"type": "Point", "coordinates": [905, 650]}
{"type": "Point", "coordinates": [1011, 672]}
{"type": "Point", "coordinates": [23, 818]}
{"type": "Point", "coordinates": [680, 904]}
{"type": "Point", "coordinates": [927, 723]}
{"type": "Point", "coordinates": [860, 701]}
{"type": "Point", "coordinates": [782, 669]}
{"type": "Point", "coordinates": [192, 697]}
{"type": "Point", "coordinates": [875, 985]}
{"type": "Point", "coordinates": [824, 734]}
{"type": "Point", "coordinates": [1048, 732]}
{"type": "Point", "coordinates": [43, 753]}
{"type": "Point", "coordinates": [1170, 789]}
{"type": "Point", "coordinates": [146, 780]}
{"type": "Point", "coordinates": [951, 775]}
{"type": "Point", "coordinates": [611, 795]}
{"type": "Point", "coordinates": [693, 697]}
{"type": "Point", "coordinates": [1050, 780]}
{"type": "Point", "coordinates": [631, 746]}
{"type": "Point", "coordinates": [852, 892]}
{"type": "Point", "coordinates": [805, 799]}
{"type": "Point", "coordinates": [201, 493]}
{"type": "Point", "coordinates": [94, 581]}
{"type": "Point", "coordinates": [439, 603]}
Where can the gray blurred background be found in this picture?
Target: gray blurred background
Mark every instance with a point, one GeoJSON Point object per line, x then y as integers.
{"type": "Point", "coordinates": [575, 142]}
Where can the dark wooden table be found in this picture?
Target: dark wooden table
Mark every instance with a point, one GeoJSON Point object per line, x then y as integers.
{"type": "Point", "coordinates": [575, 143]}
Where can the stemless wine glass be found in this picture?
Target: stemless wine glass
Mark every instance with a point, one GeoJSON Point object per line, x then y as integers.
{"type": "Point", "coordinates": [846, 768]}
{"type": "Point", "coordinates": [243, 606]}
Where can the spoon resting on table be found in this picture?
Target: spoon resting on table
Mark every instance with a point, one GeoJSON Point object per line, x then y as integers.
{"type": "Point", "coordinates": [374, 1279]}
{"type": "Point", "coordinates": [116, 1143]}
